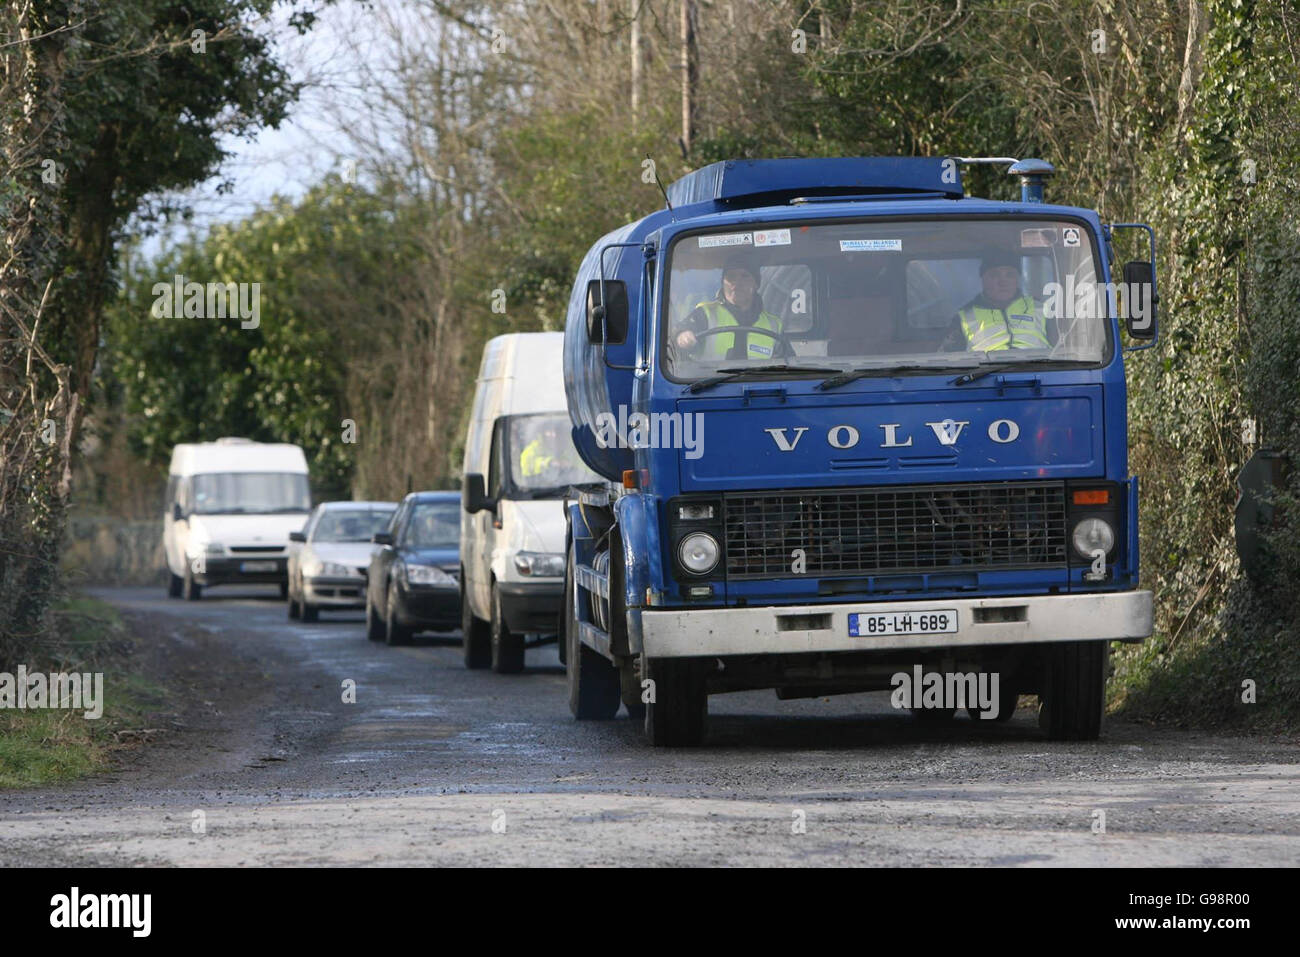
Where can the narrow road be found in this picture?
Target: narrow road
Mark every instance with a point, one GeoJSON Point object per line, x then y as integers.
{"type": "Point", "coordinates": [434, 764]}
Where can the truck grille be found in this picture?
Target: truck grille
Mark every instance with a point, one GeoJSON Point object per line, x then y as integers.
{"type": "Point", "coordinates": [898, 529]}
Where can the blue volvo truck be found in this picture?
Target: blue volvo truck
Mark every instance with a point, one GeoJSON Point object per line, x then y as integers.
{"type": "Point", "coordinates": [851, 422]}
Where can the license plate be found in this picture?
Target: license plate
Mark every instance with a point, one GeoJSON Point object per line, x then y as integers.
{"type": "Point", "coordinates": [253, 568]}
{"type": "Point", "coordinates": [883, 624]}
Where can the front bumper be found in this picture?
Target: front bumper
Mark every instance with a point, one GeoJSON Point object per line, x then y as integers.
{"type": "Point", "coordinates": [335, 592]}
{"type": "Point", "coordinates": [226, 571]}
{"type": "Point", "coordinates": [435, 607]}
{"type": "Point", "coordinates": [532, 607]}
{"type": "Point", "coordinates": [797, 629]}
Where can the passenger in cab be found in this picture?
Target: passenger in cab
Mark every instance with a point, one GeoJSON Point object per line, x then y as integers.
{"type": "Point", "coordinates": [737, 304]}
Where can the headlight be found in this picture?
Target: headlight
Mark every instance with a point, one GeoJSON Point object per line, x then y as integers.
{"type": "Point", "coordinates": [335, 570]}
{"type": "Point", "coordinates": [539, 564]}
{"type": "Point", "coordinates": [214, 548]}
{"type": "Point", "coordinates": [425, 575]}
{"type": "Point", "coordinates": [698, 553]}
{"type": "Point", "coordinates": [1092, 534]}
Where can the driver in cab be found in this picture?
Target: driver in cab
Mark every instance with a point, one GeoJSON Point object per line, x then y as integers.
{"type": "Point", "coordinates": [738, 306]}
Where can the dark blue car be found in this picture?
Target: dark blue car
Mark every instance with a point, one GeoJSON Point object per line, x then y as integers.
{"type": "Point", "coordinates": [412, 582]}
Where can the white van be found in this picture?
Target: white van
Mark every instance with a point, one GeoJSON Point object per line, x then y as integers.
{"type": "Point", "coordinates": [230, 507]}
{"type": "Point", "coordinates": [519, 463]}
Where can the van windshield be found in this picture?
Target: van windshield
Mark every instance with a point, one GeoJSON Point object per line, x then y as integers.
{"type": "Point", "coordinates": [935, 293]}
{"type": "Point", "coordinates": [542, 455]}
{"type": "Point", "coordinates": [227, 493]}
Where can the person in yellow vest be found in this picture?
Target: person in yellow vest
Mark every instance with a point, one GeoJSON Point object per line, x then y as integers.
{"type": "Point", "coordinates": [538, 455]}
{"type": "Point", "coordinates": [1000, 317]}
{"type": "Point", "coordinates": [736, 304]}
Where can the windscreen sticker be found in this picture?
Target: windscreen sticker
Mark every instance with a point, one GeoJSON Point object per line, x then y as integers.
{"type": "Point", "coordinates": [727, 239]}
{"type": "Point", "coordinates": [1037, 238]}
{"type": "Point", "coordinates": [1070, 237]}
{"type": "Point", "coordinates": [871, 245]}
{"type": "Point", "coordinates": [772, 237]}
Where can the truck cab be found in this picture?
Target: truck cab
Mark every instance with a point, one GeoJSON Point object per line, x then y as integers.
{"type": "Point", "coordinates": [851, 424]}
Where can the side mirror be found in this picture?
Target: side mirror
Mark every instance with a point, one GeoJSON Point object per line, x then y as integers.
{"type": "Point", "coordinates": [382, 538]}
{"type": "Point", "coordinates": [178, 513]}
{"type": "Point", "coordinates": [473, 494]}
{"type": "Point", "coordinates": [1140, 299]}
{"type": "Point", "coordinates": [607, 317]}
{"type": "Point", "coordinates": [297, 537]}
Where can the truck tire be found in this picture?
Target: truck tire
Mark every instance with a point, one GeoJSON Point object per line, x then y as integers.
{"type": "Point", "coordinates": [675, 717]}
{"type": "Point", "coordinates": [374, 624]}
{"type": "Point", "coordinates": [593, 680]}
{"type": "Point", "coordinates": [629, 676]}
{"type": "Point", "coordinates": [476, 638]}
{"type": "Point", "coordinates": [190, 589]}
{"type": "Point", "coordinates": [1074, 690]}
{"type": "Point", "coordinates": [174, 584]}
{"type": "Point", "coordinates": [507, 646]}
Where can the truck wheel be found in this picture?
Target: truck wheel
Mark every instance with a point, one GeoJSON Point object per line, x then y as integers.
{"type": "Point", "coordinates": [374, 624]}
{"type": "Point", "coordinates": [174, 584]}
{"type": "Point", "coordinates": [629, 678]}
{"type": "Point", "coordinates": [394, 633]}
{"type": "Point", "coordinates": [675, 715]}
{"type": "Point", "coordinates": [476, 637]}
{"type": "Point", "coordinates": [190, 589]}
{"type": "Point", "coordinates": [1074, 690]}
{"type": "Point", "coordinates": [507, 646]}
{"type": "Point", "coordinates": [593, 680]}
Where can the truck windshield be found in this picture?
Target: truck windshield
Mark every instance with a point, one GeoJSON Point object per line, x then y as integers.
{"type": "Point", "coordinates": [542, 456]}
{"type": "Point", "coordinates": [221, 493]}
{"type": "Point", "coordinates": [920, 294]}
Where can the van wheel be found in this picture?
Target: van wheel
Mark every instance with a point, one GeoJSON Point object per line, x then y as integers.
{"type": "Point", "coordinates": [174, 584]}
{"type": "Point", "coordinates": [476, 637]}
{"type": "Point", "coordinates": [675, 715]}
{"type": "Point", "coordinates": [375, 628]}
{"type": "Point", "coordinates": [507, 646]}
{"type": "Point", "coordinates": [394, 633]}
{"type": "Point", "coordinates": [190, 589]}
{"type": "Point", "coordinates": [593, 681]}
{"type": "Point", "coordinates": [294, 611]}
{"type": "Point", "coordinates": [310, 612]}
{"type": "Point", "coordinates": [1074, 691]}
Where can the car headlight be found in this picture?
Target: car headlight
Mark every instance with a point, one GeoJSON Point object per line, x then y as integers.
{"type": "Point", "coordinates": [1093, 534]}
{"type": "Point", "coordinates": [425, 575]}
{"type": "Point", "coordinates": [698, 553]}
{"type": "Point", "coordinates": [335, 570]}
{"type": "Point", "coordinates": [539, 564]}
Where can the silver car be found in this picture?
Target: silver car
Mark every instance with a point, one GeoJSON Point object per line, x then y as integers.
{"type": "Point", "coordinates": [328, 559]}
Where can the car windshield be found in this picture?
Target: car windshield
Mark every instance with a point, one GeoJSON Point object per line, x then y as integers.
{"type": "Point", "coordinates": [434, 525]}
{"type": "Point", "coordinates": [937, 293]}
{"type": "Point", "coordinates": [218, 493]}
{"type": "Point", "coordinates": [351, 525]}
{"type": "Point", "coordinates": [542, 454]}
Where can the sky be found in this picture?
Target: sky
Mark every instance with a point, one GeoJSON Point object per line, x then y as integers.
{"type": "Point", "coordinates": [334, 59]}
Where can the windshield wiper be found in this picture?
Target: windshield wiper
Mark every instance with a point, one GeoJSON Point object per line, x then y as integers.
{"type": "Point", "coordinates": [850, 375]}
{"type": "Point", "coordinates": [968, 377]}
{"type": "Point", "coordinates": [725, 374]}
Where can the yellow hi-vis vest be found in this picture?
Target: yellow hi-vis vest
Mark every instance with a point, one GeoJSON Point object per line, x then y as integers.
{"type": "Point", "coordinates": [533, 459]}
{"type": "Point", "coordinates": [1018, 326]}
{"type": "Point", "coordinates": [757, 346]}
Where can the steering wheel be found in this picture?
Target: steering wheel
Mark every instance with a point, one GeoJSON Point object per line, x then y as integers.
{"type": "Point", "coordinates": [787, 347]}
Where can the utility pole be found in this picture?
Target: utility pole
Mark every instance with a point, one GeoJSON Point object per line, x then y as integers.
{"type": "Point", "coordinates": [690, 76]}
